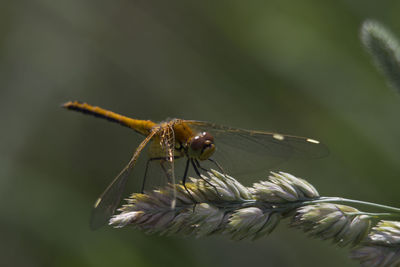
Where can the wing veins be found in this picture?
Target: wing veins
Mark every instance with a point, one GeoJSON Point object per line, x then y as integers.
{"type": "Point", "coordinates": [105, 204]}
{"type": "Point", "coordinates": [295, 145]}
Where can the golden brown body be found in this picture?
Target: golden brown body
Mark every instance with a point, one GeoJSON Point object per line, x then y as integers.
{"type": "Point", "coordinates": [194, 141]}
{"type": "Point", "coordinates": [169, 140]}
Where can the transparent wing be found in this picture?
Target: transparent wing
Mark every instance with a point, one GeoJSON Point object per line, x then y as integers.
{"type": "Point", "coordinates": [241, 151]}
{"type": "Point", "coordinates": [168, 146]}
{"type": "Point", "coordinates": [108, 201]}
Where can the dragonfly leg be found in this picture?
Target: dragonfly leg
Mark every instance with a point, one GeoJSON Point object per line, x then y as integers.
{"type": "Point", "coordinates": [161, 159]}
{"type": "Point", "coordinates": [184, 183]}
{"type": "Point", "coordinates": [218, 166]}
{"type": "Point", "coordinates": [197, 165]}
{"type": "Point", "coordinates": [145, 171]}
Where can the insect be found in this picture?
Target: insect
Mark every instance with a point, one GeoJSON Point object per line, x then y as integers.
{"type": "Point", "coordinates": [196, 142]}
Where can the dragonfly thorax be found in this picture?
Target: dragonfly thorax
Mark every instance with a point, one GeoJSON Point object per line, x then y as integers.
{"type": "Point", "coordinates": [201, 146]}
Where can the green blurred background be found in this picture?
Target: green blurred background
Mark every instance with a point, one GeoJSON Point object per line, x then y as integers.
{"type": "Point", "coordinates": [295, 67]}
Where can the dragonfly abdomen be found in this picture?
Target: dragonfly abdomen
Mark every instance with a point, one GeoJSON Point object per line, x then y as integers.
{"type": "Point", "coordinates": [141, 126]}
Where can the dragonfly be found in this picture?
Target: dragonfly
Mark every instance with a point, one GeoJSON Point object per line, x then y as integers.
{"type": "Point", "coordinates": [196, 142]}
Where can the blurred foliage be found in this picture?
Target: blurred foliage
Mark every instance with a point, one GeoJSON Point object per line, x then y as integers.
{"type": "Point", "coordinates": [384, 49]}
{"type": "Point", "coordinates": [291, 67]}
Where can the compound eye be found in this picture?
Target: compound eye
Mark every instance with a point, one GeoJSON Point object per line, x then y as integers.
{"type": "Point", "coordinates": [202, 146]}
{"type": "Point", "coordinates": [208, 137]}
{"type": "Point", "coordinates": [197, 142]}
{"type": "Point", "coordinates": [201, 140]}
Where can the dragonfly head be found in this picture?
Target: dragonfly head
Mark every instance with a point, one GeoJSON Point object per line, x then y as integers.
{"type": "Point", "coordinates": [201, 146]}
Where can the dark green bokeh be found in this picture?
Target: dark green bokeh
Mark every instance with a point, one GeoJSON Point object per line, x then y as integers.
{"type": "Point", "coordinates": [292, 67]}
